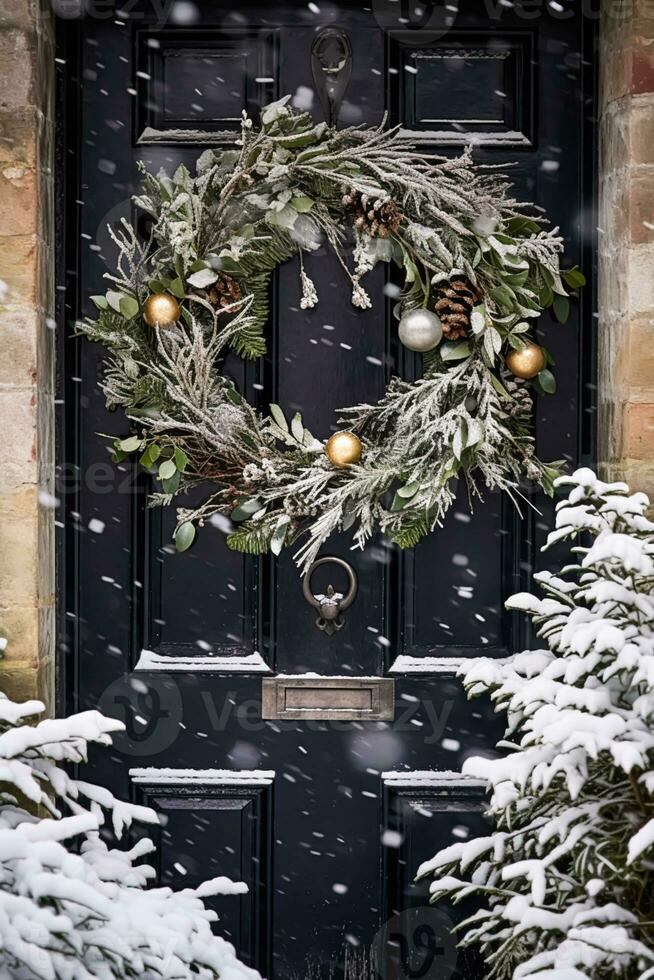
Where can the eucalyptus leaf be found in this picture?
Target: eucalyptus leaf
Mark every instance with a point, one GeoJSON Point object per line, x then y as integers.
{"type": "Point", "coordinates": [297, 429]}
{"type": "Point", "coordinates": [408, 490]}
{"type": "Point", "coordinates": [547, 381]}
{"type": "Point", "coordinates": [167, 469]}
{"type": "Point", "coordinates": [561, 307]}
{"type": "Point", "coordinates": [278, 416]}
{"type": "Point", "coordinates": [302, 204]}
{"type": "Point", "coordinates": [184, 536]}
{"type": "Point", "coordinates": [202, 278]}
{"type": "Point", "coordinates": [100, 302]}
{"type": "Point", "coordinates": [128, 307]}
{"type": "Point", "coordinates": [130, 445]}
{"type": "Point", "coordinates": [279, 535]}
{"type": "Point", "coordinates": [453, 351]}
{"type": "Point", "coordinates": [245, 509]}
{"type": "Point", "coordinates": [177, 288]}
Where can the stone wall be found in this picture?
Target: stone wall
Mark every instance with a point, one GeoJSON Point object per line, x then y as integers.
{"type": "Point", "coordinates": [626, 244]}
{"type": "Point", "coordinates": [26, 349]}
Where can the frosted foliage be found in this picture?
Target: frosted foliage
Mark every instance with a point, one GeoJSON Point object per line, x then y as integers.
{"type": "Point", "coordinates": [564, 885]}
{"type": "Point", "coordinates": [71, 906]}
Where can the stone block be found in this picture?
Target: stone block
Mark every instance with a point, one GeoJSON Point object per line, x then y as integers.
{"type": "Point", "coordinates": [19, 136]}
{"type": "Point", "coordinates": [19, 269]}
{"type": "Point", "coordinates": [640, 376]}
{"type": "Point", "coordinates": [18, 67]}
{"type": "Point", "coordinates": [19, 331]}
{"type": "Point", "coordinates": [641, 204]}
{"type": "Point", "coordinates": [20, 684]}
{"type": "Point", "coordinates": [641, 279]}
{"type": "Point", "coordinates": [639, 431]}
{"type": "Point", "coordinates": [19, 200]}
{"type": "Point", "coordinates": [20, 627]}
{"type": "Point", "coordinates": [18, 14]}
{"type": "Point", "coordinates": [19, 548]}
{"type": "Point", "coordinates": [641, 139]}
{"type": "Point", "coordinates": [18, 445]}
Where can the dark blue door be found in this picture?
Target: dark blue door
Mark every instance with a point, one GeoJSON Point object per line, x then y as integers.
{"type": "Point", "coordinates": [326, 820]}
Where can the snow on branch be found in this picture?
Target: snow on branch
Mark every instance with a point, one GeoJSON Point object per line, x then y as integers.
{"type": "Point", "coordinates": [564, 884]}
{"type": "Point", "coordinates": [72, 905]}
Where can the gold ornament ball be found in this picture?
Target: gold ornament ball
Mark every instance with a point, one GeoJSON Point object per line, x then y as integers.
{"type": "Point", "coordinates": [527, 362]}
{"type": "Point", "coordinates": [343, 448]}
{"type": "Point", "coordinates": [161, 310]}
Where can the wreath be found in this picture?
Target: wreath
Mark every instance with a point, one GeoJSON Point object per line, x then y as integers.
{"type": "Point", "coordinates": [477, 271]}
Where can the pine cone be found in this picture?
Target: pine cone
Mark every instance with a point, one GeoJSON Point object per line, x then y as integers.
{"type": "Point", "coordinates": [376, 217]}
{"type": "Point", "coordinates": [225, 291]}
{"type": "Point", "coordinates": [454, 302]}
{"type": "Point", "coordinates": [523, 402]}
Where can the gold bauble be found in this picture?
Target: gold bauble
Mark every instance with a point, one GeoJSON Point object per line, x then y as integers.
{"type": "Point", "coordinates": [161, 310]}
{"type": "Point", "coordinates": [343, 448]}
{"type": "Point", "coordinates": [527, 362]}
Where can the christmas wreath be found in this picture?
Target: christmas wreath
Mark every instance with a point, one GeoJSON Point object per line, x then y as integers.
{"type": "Point", "coordinates": [477, 270]}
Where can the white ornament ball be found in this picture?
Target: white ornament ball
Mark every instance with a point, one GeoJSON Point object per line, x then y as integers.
{"type": "Point", "coordinates": [420, 330]}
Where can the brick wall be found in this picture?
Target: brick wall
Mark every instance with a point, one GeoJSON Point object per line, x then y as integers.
{"type": "Point", "coordinates": [26, 349]}
{"type": "Point", "coordinates": [626, 244]}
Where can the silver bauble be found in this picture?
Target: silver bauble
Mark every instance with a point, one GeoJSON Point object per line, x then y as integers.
{"type": "Point", "coordinates": [420, 330]}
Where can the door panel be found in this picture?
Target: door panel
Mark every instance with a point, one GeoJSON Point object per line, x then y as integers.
{"type": "Point", "coordinates": [307, 812]}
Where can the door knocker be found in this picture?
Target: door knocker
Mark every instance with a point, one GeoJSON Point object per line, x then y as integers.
{"type": "Point", "coordinates": [332, 604]}
{"type": "Point", "coordinates": [331, 64]}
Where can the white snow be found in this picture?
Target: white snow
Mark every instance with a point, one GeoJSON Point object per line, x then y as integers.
{"type": "Point", "coordinates": [569, 796]}
{"type": "Point", "coordinates": [72, 906]}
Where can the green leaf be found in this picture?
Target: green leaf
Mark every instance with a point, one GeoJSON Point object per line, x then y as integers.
{"type": "Point", "coordinates": [130, 444]}
{"type": "Point", "coordinates": [100, 302]}
{"type": "Point", "coordinates": [171, 484]}
{"type": "Point", "coordinates": [113, 299]}
{"type": "Point", "coordinates": [408, 490]}
{"type": "Point", "coordinates": [302, 204]}
{"type": "Point", "coordinates": [279, 536]}
{"type": "Point", "coordinates": [499, 387]}
{"type": "Point", "coordinates": [547, 381]}
{"type": "Point", "coordinates": [184, 536]}
{"type": "Point", "coordinates": [574, 278]}
{"type": "Point", "coordinates": [455, 352]}
{"type": "Point", "coordinates": [202, 278]}
{"type": "Point", "coordinates": [234, 396]}
{"type": "Point", "coordinates": [167, 469]}
{"type": "Point", "coordinates": [278, 416]}
{"type": "Point", "coordinates": [158, 285]}
{"type": "Point", "coordinates": [181, 460]}
{"type": "Point", "coordinates": [561, 307]}
{"type": "Point", "coordinates": [129, 307]}
{"type": "Point", "coordinates": [150, 456]}
{"type": "Point", "coordinates": [503, 297]}
{"type": "Point", "coordinates": [245, 509]}
{"type": "Point", "coordinates": [297, 428]}
{"type": "Point", "coordinates": [177, 288]}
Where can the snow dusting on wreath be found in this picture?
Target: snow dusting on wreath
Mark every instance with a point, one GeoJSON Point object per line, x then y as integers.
{"type": "Point", "coordinates": [477, 271]}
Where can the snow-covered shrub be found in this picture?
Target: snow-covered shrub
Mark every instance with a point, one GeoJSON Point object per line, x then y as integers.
{"type": "Point", "coordinates": [72, 908]}
{"type": "Point", "coordinates": [565, 884]}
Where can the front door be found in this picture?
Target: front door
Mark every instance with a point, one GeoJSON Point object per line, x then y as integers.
{"type": "Point", "coordinates": [325, 817]}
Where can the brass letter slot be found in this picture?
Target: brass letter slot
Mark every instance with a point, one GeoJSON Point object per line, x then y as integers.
{"type": "Point", "coordinates": [328, 698]}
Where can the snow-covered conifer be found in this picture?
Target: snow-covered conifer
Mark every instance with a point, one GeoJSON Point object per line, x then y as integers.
{"type": "Point", "coordinates": [565, 883]}
{"type": "Point", "coordinates": [72, 907]}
